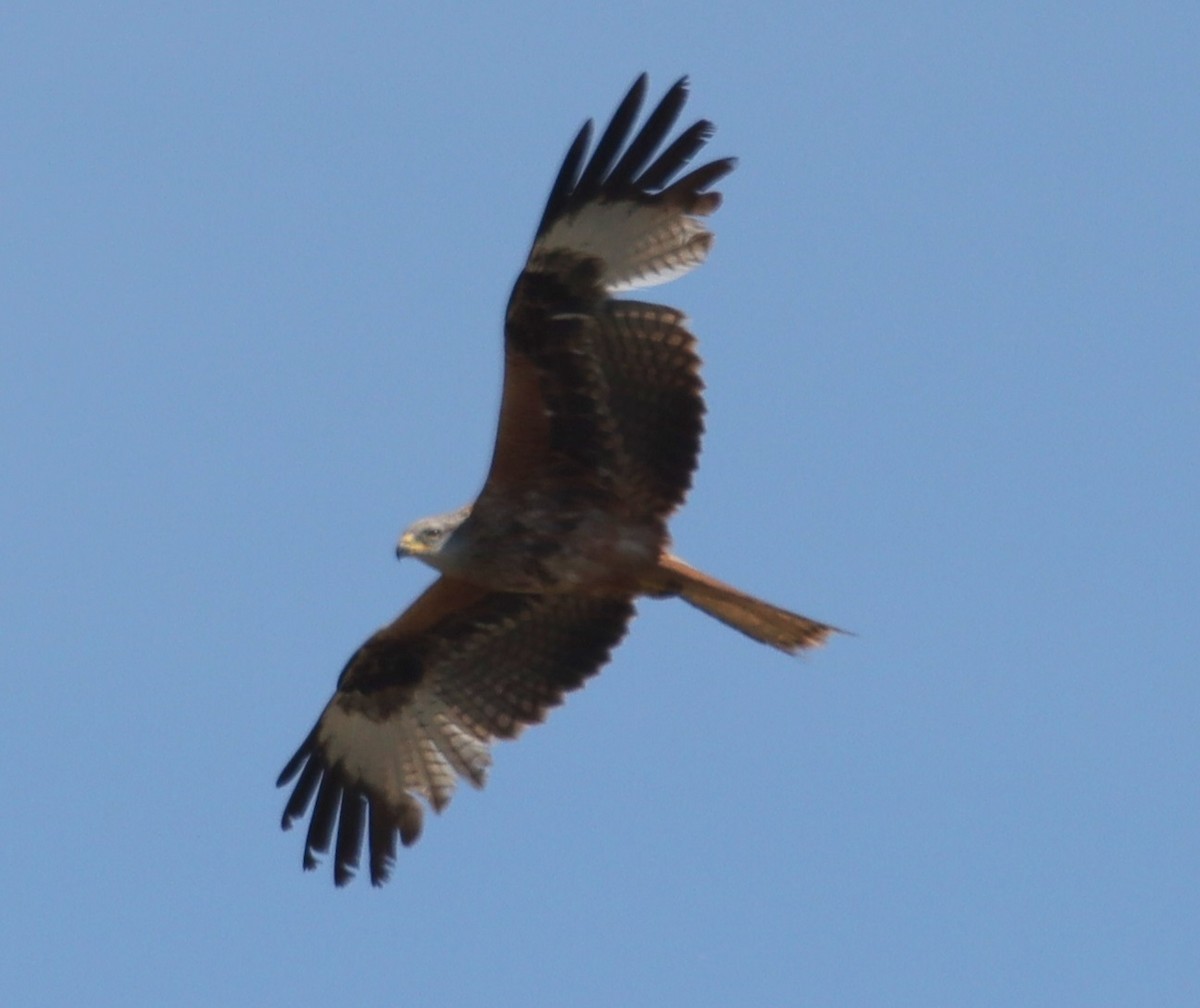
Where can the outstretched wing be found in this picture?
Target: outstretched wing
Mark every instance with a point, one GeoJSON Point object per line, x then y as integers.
{"type": "Point", "coordinates": [602, 397]}
{"type": "Point", "coordinates": [417, 705]}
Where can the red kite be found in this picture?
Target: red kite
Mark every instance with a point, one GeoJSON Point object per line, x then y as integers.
{"type": "Point", "coordinates": [598, 437]}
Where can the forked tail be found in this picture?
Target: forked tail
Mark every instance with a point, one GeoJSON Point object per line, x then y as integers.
{"type": "Point", "coordinates": [760, 620]}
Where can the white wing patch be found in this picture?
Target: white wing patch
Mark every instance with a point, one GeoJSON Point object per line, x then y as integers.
{"type": "Point", "coordinates": [419, 749]}
{"type": "Point", "coordinates": [639, 245]}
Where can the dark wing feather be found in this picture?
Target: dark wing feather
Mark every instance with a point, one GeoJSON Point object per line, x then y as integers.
{"type": "Point", "coordinates": [610, 143]}
{"type": "Point", "coordinates": [651, 136]}
{"type": "Point", "coordinates": [652, 373]}
{"type": "Point", "coordinates": [604, 177]}
{"type": "Point", "coordinates": [568, 177]}
{"type": "Point", "coordinates": [574, 358]}
{"type": "Point", "coordinates": [420, 702]}
{"type": "Point", "coordinates": [681, 151]}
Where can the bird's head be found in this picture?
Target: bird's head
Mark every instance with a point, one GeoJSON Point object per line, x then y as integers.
{"type": "Point", "coordinates": [425, 539]}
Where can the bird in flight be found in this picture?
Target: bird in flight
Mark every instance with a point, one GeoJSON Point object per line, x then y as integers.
{"type": "Point", "coordinates": [598, 436]}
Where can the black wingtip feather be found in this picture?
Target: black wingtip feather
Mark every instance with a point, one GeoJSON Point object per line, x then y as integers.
{"type": "Point", "coordinates": [303, 792]}
{"type": "Point", "coordinates": [596, 173]}
{"type": "Point", "coordinates": [653, 132]}
{"type": "Point", "coordinates": [297, 760]}
{"type": "Point", "coordinates": [324, 817]}
{"type": "Point", "coordinates": [382, 842]}
{"type": "Point", "coordinates": [610, 174]}
{"type": "Point", "coordinates": [350, 837]}
{"type": "Point", "coordinates": [568, 176]}
{"type": "Point", "coordinates": [704, 177]}
{"type": "Point", "coordinates": [681, 150]}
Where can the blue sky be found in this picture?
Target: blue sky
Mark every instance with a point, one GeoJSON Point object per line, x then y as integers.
{"type": "Point", "coordinates": [255, 261]}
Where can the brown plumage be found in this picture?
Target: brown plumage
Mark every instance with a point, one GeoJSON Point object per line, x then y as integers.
{"type": "Point", "coordinates": [598, 437]}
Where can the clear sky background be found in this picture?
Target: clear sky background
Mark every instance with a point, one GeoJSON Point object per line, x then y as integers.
{"type": "Point", "coordinates": [254, 260]}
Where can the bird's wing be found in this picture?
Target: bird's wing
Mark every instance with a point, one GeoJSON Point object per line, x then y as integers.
{"type": "Point", "coordinates": [603, 396]}
{"type": "Point", "coordinates": [418, 704]}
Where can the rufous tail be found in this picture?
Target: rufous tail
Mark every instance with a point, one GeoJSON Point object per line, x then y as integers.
{"type": "Point", "coordinates": [760, 620]}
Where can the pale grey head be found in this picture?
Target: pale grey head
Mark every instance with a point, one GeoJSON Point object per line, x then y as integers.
{"type": "Point", "coordinates": [427, 538]}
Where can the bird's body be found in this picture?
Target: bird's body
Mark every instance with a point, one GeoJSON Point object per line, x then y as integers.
{"type": "Point", "coordinates": [598, 436]}
{"type": "Point", "coordinates": [590, 553]}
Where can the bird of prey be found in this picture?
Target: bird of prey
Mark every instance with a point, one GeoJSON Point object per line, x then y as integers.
{"type": "Point", "coordinates": [599, 433]}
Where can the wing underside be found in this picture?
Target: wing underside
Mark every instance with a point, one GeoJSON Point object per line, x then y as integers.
{"type": "Point", "coordinates": [416, 709]}
{"type": "Point", "coordinates": [627, 208]}
{"type": "Point", "coordinates": [603, 394]}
